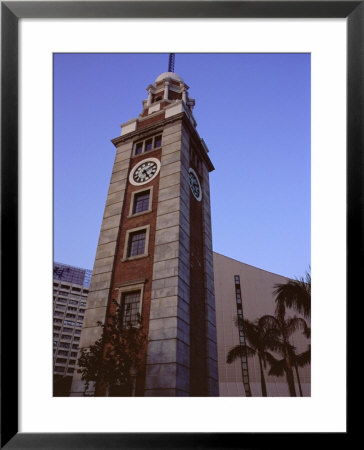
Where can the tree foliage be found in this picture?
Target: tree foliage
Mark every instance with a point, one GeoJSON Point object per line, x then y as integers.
{"type": "Point", "coordinates": [273, 334]}
{"type": "Point", "coordinates": [279, 366]}
{"type": "Point", "coordinates": [284, 327]}
{"type": "Point", "coordinates": [116, 357]}
{"type": "Point", "coordinates": [260, 339]}
{"type": "Point", "coordinates": [294, 294]}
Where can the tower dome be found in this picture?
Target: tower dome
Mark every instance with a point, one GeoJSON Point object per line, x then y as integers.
{"type": "Point", "coordinates": [165, 75]}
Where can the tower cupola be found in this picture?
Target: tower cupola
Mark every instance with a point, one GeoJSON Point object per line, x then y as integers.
{"type": "Point", "coordinates": [167, 89]}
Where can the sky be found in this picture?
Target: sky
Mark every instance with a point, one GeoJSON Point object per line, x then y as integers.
{"type": "Point", "coordinates": [253, 112]}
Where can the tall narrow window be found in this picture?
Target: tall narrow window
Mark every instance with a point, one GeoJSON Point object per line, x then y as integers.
{"type": "Point", "coordinates": [130, 307]}
{"type": "Point", "coordinates": [157, 141]}
{"type": "Point", "coordinates": [136, 243]}
{"type": "Point", "coordinates": [141, 202]}
{"type": "Point", "coordinates": [139, 148]}
{"type": "Point", "coordinates": [148, 145]}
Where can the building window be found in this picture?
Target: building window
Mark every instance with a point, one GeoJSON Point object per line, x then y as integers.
{"type": "Point", "coordinates": [158, 141]}
{"type": "Point", "coordinates": [64, 345]}
{"type": "Point", "coordinates": [66, 337]}
{"type": "Point", "coordinates": [130, 298]}
{"type": "Point", "coordinates": [69, 322]}
{"type": "Point", "coordinates": [61, 360]}
{"type": "Point", "coordinates": [136, 243]}
{"type": "Point", "coordinates": [130, 307]}
{"type": "Point", "coordinates": [147, 145]}
{"type": "Point", "coordinates": [139, 148]}
{"type": "Point", "coordinates": [141, 202]}
{"type": "Point", "coordinates": [61, 307]}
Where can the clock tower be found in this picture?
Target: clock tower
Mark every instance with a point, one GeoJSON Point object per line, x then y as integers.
{"type": "Point", "coordinates": [154, 254]}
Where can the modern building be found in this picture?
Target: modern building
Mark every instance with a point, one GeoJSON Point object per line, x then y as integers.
{"type": "Point", "coordinates": [246, 291]}
{"type": "Point", "coordinates": [154, 253]}
{"type": "Point", "coordinates": [70, 291]}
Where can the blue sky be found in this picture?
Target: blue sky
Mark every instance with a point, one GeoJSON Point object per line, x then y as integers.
{"type": "Point", "coordinates": [252, 110]}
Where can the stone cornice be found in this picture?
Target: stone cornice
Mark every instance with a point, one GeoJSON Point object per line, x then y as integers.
{"type": "Point", "coordinates": [138, 134]}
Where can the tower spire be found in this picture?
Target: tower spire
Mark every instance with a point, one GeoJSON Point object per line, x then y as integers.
{"type": "Point", "coordinates": [171, 62]}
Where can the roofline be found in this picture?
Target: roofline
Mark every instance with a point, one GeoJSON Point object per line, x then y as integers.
{"type": "Point", "coordinates": [254, 267]}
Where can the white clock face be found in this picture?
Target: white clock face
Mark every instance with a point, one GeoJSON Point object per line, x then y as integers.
{"type": "Point", "coordinates": [145, 171]}
{"type": "Point", "coordinates": [195, 185]}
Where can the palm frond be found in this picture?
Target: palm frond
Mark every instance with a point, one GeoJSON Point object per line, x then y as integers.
{"type": "Point", "coordinates": [274, 343]}
{"type": "Point", "coordinates": [238, 351]}
{"type": "Point", "coordinates": [296, 323]}
{"type": "Point", "coordinates": [269, 322]}
{"type": "Point", "coordinates": [277, 366]}
{"type": "Point", "coordinates": [294, 294]}
{"type": "Point", "coordinates": [304, 358]}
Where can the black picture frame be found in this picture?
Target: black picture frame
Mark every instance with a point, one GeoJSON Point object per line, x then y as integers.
{"type": "Point", "coordinates": [11, 12]}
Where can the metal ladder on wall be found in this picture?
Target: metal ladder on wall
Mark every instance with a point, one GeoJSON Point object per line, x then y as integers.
{"type": "Point", "coordinates": [244, 358]}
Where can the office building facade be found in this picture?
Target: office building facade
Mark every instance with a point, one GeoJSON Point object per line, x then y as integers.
{"type": "Point", "coordinates": [70, 291]}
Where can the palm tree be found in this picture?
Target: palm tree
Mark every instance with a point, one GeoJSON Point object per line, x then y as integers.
{"type": "Point", "coordinates": [284, 328]}
{"type": "Point", "coordinates": [294, 294]}
{"type": "Point", "coordinates": [260, 339]}
{"type": "Point", "coordinates": [279, 366]}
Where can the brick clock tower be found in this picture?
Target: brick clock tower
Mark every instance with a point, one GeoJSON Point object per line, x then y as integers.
{"type": "Point", "coordinates": [154, 254]}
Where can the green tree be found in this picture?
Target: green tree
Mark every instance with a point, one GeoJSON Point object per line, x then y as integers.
{"type": "Point", "coordinates": [116, 357]}
{"type": "Point", "coordinates": [260, 339]}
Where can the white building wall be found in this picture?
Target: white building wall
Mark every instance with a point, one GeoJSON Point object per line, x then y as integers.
{"type": "Point", "coordinates": [257, 286]}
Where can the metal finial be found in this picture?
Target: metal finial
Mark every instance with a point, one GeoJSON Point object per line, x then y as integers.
{"type": "Point", "coordinates": [171, 62]}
